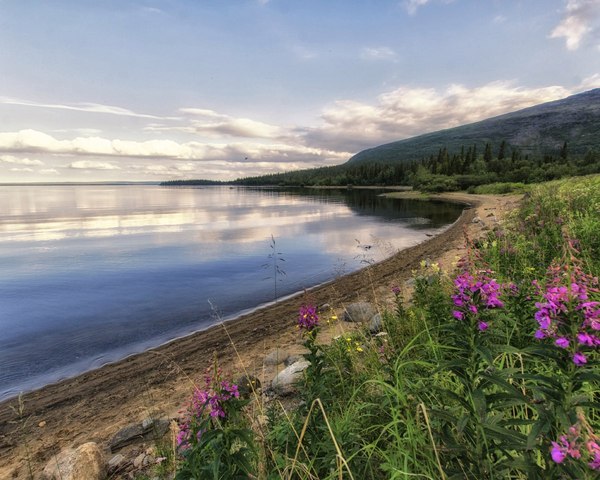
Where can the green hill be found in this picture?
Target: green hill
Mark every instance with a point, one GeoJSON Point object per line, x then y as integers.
{"type": "Point", "coordinates": [535, 131]}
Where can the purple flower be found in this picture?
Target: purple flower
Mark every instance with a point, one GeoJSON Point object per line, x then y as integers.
{"type": "Point", "coordinates": [594, 451]}
{"type": "Point", "coordinates": [566, 306]}
{"type": "Point", "coordinates": [558, 452]}
{"type": "Point", "coordinates": [474, 295]}
{"type": "Point", "coordinates": [587, 339]}
{"type": "Point", "coordinates": [308, 319]}
{"type": "Point", "coordinates": [539, 334]}
{"type": "Point", "coordinates": [579, 359]}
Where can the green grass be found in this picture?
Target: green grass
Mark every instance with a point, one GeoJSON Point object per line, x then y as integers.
{"type": "Point", "coordinates": [500, 188]}
{"type": "Point", "coordinates": [435, 397]}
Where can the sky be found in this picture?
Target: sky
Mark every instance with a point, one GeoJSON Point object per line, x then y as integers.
{"type": "Point", "coordinates": [151, 90]}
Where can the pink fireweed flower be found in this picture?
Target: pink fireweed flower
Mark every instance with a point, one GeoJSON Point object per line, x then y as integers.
{"type": "Point", "coordinates": [558, 452]}
{"type": "Point", "coordinates": [594, 451]}
{"type": "Point", "coordinates": [566, 308]}
{"type": "Point", "coordinates": [308, 319]}
{"type": "Point", "coordinates": [475, 294]}
{"type": "Point", "coordinates": [206, 403]}
{"type": "Point", "coordinates": [579, 359]}
{"type": "Point", "coordinates": [580, 443]}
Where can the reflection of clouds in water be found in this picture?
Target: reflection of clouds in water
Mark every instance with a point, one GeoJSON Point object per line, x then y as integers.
{"type": "Point", "coordinates": [204, 221]}
{"type": "Point", "coordinates": [217, 213]}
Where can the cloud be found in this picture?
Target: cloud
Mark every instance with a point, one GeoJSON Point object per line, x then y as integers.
{"type": "Point", "coordinates": [24, 169]}
{"type": "Point", "coordinates": [581, 17]}
{"type": "Point", "coordinates": [408, 111]}
{"type": "Point", "coordinates": [80, 107]}
{"type": "Point", "coordinates": [211, 123]}
{"type": "Point", "coordinates": [413, 5]}
{"type": "Point", "coordinates": [93, 165]}
{"type": "Point", "coordinates": [27, 141]}
{"type": "Point", "coordinates": [377, 53]}
{"type": "Point", "coordinates": [20, 161]}
{"type": "Point", "coordinates": [48, 171]}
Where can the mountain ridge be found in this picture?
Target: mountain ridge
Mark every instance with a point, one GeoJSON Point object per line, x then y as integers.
{"type": "Point", "coordinates": [539, 129]}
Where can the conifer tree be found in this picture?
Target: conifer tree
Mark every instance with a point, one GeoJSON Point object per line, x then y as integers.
{"type": "Point", "coordinates": [487, 154]}
{"type": "Point", "coordinates": [502, 151]}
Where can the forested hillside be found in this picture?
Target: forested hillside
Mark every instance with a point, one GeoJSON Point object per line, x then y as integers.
{"type": "Point", "coordinates": [545, 142]}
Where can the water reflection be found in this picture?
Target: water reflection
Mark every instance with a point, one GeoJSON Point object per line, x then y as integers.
{"type": "Point", "coordinates": [90, 274]}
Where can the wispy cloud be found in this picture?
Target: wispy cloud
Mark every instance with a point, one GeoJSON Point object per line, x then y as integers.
{"type": "Point", "coordinates": [20, 161]}
{"type": "Point", "coordinates": [581, 17]}
{"type": "Point", "coordinates": [93, 165]}
{"type": "Point", "coordinates": [413, 5]}
{"type": "Point", "coordinates": [211, 123]}
{"type": "Point", "coordinates": [80, 107]}
{"type": "Point", "coordinates": [377, 53]}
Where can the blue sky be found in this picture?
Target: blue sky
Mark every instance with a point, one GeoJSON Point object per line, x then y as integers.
{"type": "Point", "coordinates": [96, 90]}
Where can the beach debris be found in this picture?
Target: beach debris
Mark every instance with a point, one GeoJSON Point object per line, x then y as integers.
{"type": "Point", "coordinates": [138, 432]}
{"type": "Point", "coordinates": [117, 463]}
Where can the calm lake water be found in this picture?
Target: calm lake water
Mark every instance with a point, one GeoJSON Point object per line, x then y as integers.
{"type": "Point", "coordinates": [91, 274]}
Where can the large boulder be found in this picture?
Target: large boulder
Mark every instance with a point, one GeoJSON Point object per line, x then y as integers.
{"type": "Point", "coordinates": [285, 381]}
{"type": "Point", "coordinates": [359, 312]}
{"type": "Point", "coordinates": [84, 462]}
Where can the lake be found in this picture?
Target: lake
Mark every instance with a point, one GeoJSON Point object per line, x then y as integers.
{"type": "Point", "coordinates": [90, 274]}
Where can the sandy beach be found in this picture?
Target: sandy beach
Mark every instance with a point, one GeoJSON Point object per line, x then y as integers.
{"type": "Point", "coordinates": [95, 405]}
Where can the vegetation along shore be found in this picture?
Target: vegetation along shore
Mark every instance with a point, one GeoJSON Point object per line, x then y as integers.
{"type": "Point", "coordinates": [483, 365]}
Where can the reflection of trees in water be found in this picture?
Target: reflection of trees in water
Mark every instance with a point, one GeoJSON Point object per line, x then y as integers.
{"type": "Point", "coordinates": [418, 214]}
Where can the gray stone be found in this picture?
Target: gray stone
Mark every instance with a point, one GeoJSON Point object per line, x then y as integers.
{"type": "Point", "coordinates": [293, 359]}
{"type": "Point", "coordinates": [117, 463]}
{"type": "Point", "coordinates": [359, 312]}
{"type": "Point", "coordinates": [138, 462]}
{"type": "Point", "coordinates": [285, 381]}
{"type": "Point", "coordinates": [84, 462]}
{"type": "Point", "coordinates": [138, 432]}
{"type": "Point", "coordinates": [275, 357]}
{"type": "Point", "coordinates": [375, 324]}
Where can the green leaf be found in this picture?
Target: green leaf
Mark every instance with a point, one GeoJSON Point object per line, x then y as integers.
{"type": "Point", "coordinates": [480, 403]}
{"type": "Point", "coordinates": [542, 426]}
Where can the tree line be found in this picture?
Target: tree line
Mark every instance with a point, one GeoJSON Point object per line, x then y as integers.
{"type": "Point", "coordinates": [468, 167]}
